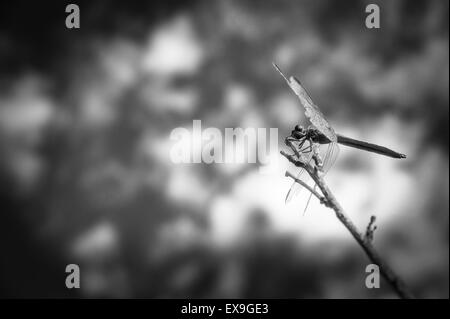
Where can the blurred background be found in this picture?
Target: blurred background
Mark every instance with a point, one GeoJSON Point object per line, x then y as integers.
{"type": "Point", "coordinates": [85, 174]}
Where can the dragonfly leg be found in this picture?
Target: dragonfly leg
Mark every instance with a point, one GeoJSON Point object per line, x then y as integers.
{"type": "Point", "coordinates": [289, 141]}
{"type": "Point", "coordinates": [307, 148]}
{"type": "Point", "coordinates": [297, 144]}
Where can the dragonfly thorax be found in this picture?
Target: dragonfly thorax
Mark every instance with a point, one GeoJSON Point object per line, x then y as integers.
{"type": "Point", "coordinates": [310, 133]}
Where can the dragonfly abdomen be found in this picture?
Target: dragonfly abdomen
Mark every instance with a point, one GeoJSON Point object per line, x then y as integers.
{"type": "Point", "coordinates": [368, 147]}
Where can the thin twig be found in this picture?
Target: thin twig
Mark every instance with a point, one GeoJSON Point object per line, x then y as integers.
{"type": "Point", "coordinates": [396, 283]}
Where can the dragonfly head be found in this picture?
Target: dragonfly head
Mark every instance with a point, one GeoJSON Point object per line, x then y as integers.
{"type": "Point", "coordinates": [298, 132]}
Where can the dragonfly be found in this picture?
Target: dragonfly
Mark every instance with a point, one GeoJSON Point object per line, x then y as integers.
{"type": "Point", "coordinates": [320, 132]}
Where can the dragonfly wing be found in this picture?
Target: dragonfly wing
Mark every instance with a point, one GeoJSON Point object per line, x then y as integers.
{"type": "Point", "coordinates": [330, 156]}
{"type": "Point", "coordinates": [309, 199]}
{"type": "Point", "coordinates": [296, 187]}
{"type": "Point", "coordinates": [312, 111]}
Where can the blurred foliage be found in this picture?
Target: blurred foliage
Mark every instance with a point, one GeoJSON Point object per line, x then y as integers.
{"type": "Point", "coordinates": [85, 116]}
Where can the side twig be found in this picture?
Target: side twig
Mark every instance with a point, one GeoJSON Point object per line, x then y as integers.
{"type": "Point", "coordinates": [370, 229]}
{"type": "Point", "coordinates": [364, 241]}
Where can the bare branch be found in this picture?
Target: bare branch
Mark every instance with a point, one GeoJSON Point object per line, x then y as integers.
{"type": "Point", "coordinates": [292, 146]}
{"type": "Point", "coordinates": [364, 241]}
{"type": "Point", "coordinates": [293, 159]}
